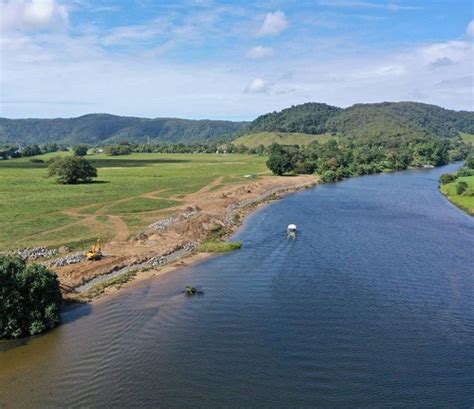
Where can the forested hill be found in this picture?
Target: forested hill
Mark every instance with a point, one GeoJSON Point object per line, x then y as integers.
{"type": "Point", "coordinates": [368, 120]}
{"type": "Point", "coordinates": [98, 129]}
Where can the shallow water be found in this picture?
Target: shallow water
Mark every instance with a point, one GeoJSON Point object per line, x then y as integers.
{"type": "Point", "coordinates": [371, 306]}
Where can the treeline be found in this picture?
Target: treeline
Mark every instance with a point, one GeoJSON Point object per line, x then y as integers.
{"type": "Point", "coordinates": [126, 148]}
{"type": "Point", "coordinates": [10, 151]}
{"type": "Point", "coordinates": [335, 160]}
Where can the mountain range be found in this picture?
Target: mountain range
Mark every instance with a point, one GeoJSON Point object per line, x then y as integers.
{"type": "Point", "coordinates": [388, 119]}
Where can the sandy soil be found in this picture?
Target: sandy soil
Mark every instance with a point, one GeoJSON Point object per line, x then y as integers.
{"type": "Point", "coordinates": [201, 212]}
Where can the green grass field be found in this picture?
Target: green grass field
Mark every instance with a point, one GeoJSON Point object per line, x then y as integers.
{"type": "Point", "coordinates": [466, 137]}
{"type": "Point", "coordinates": [464, 202]}
{"type": "Point", "coordinates": [35, 210]}
{"type": "Point", "coordinates": [267, 138]}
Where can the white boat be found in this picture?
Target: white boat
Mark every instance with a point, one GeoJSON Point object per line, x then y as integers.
{"type": "Point", "coordinates": [291, 229]}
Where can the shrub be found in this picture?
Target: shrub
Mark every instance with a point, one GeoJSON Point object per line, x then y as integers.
{"type": "Point", "coordinates": [72, 170]}
{"type": "Point", "coordinates": [329, 176]}
{"type": "Point", "coordinates": [115, 150]}
{"type": "Point", "coordinates": [447, 178]}
{"type": "Point", "coordinates": [30, 298]}
{"type": "Point", "coordinates": [461, 187]}
{"type": "Point", "coordinates": [80, 150]}
{"type": "Point", "coordinates": [304, 168]}
{"type": "Point", "coordinates": [469, 162]}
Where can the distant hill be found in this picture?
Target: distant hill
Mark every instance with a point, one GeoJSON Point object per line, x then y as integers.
{"type": "Point", "coordinates": [282, 138]}
{"type": "Point", "coordinates": [98, 129]}
{"type": "Point", "coordinates": [387, 119]}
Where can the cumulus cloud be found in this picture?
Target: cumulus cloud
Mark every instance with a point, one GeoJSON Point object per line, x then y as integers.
{"type": "Point", "coordinates": [257, 86]}
{"type": "Point", "coordinates": [470, 28]}
{"type": "Point", "coordinates": [273, 24]}
{"type": "Point", "coordinates": [258, 52]}
{"type": "Point", "coordinates": [33, 14]}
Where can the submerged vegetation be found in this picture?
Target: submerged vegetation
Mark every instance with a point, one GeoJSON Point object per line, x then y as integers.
{"type": "Point", "coordinates": [30, 298]}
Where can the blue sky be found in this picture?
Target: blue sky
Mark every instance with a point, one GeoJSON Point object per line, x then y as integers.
{"type": "Point", "coordinates": [232, 59]}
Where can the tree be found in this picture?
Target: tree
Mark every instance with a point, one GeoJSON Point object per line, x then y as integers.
{"type": "Point", "coordinates": [30, 298]}
{"type": "Point", "coordinates": [469, 163]}
{"type": "Point", "coordinates": [71, 170]}
{"type": "Point", "coordinates": [80, 150]}
{"type": "Point", "coordinates": [280, 160]}
{"type": "Point", "coordinates": [31, 150]}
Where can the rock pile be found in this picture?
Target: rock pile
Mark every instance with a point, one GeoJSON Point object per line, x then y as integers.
{"type": "Point", "coordinates": [189, 213]}
{"type": "Point", "coordinates": [67, 260]}
{"type": "Point", "coordinates": [34, 253]}
{"type": "Point", "coordinates": [172, 256]}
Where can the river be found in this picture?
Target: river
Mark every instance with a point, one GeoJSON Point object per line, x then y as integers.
{"type": "Point", "coordinates": [370, 306]}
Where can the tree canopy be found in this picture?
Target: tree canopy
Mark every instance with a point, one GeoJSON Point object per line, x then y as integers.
{"type": "Point", "coordinates": [30, 298]}
{"type": "Point", "coordinates": [71, 170]}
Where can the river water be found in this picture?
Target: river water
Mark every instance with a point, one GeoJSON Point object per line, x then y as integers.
{"type": "Point", "coordinates": [370, 306]}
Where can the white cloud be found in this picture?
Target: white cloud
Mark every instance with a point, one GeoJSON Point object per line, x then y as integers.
{"type": "Point", "coordinates": [33, 14]}
{"type": "Point", "coordinates": [273, 24]}
{"type": "Point", "coordinates": [258, 52]}
{"type": "Point", "coordinates": [257, 86]}
{"type": "Point", "coordinates": [470, 28]}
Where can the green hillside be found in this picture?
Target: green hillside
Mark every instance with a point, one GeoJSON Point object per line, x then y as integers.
{"type": "Point", "coordinates": [387, 119]}
{"type": "Point", "coordinates": [99, 129]}
{"type": "Point", "coordinates": [267, 138]}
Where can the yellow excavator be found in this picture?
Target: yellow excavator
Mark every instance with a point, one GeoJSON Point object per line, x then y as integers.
{"type": "Point", "coordinates": [95, 253]}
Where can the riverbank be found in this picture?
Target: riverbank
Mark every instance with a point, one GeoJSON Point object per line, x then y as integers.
{"type": "Point", "coordinates": [173, 242]}
{"type": "Point", "coordinates": [462, 201]}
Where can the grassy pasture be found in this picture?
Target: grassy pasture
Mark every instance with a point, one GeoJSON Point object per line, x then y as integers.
{"type": "Point", "coordinates": [464, 202]}
{"type": "Point", "coordinates": [267, 138]}
{"type": "Point", "coordinates": [468, 138]}
{"type": "Point", "coordinates": [35, 210]}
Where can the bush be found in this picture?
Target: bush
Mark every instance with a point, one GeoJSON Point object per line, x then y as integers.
{"type": "Point", "coordinates": [329, 176]}
{"type": "Point", "coordinates": [461, 187]}
{"type": "Point", "coordinates": [469, 162]}
{"type": "Point", "coordinates": [80, 150]}
{"type": "Point", "coordinates": [463, 172]}
{"type": "Point", "coordinates": [71, 170]}
{"type": "Point", "coordinates": [30, 298]}
{"type": "Point", "coordinates": [36, 160]}
{"type": "Point", "coordinates": [115, 150]}
{"type": "Point", "coordinates": [447, 178]}
{"type": "Point", "coordinates": [304, 168]}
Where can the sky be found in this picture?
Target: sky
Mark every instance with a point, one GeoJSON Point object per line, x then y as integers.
{"type": "Point", "coordinates": [230, 59]}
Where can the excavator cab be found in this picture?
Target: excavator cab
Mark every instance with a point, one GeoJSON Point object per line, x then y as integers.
{"type": "Point", "coordinates": [95, 253]}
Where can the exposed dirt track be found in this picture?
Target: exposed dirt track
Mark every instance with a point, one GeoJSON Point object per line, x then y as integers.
{"type": "Point", "coordinates": [208, 207]}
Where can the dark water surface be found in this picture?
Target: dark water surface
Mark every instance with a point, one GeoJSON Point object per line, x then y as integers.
{"type": "Point", "coordinates": [371, 306]}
